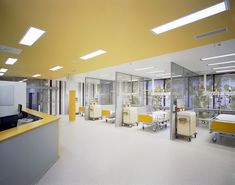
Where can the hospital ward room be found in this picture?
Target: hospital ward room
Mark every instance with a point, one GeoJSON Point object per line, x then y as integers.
{"type": "Point", "coordinates": [187, 107]}
{"type": "Point", "coordinates": [117, 92]}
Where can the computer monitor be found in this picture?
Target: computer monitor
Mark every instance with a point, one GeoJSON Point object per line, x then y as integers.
{"type": "Point", "coordinates": [8, 122]}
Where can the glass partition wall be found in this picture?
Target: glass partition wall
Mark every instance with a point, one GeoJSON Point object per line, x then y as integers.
{"type": "Point", "coordinates": [130, 90]}
{"type": "Point", "coordinates": [158, 93]}
{"type": "Point", "coordinates": [100, 91]}
{"type": "Point", "coordinates": [180, 84]}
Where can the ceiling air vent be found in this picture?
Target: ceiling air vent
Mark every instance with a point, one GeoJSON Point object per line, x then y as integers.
{"type": "Point", "coordinates": [211, 33]}
{"type": "Point", "coordinates": [10, 49]}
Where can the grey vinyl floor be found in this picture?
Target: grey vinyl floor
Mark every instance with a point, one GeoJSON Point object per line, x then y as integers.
{"type": "Point", "coordinates": [97, 153]}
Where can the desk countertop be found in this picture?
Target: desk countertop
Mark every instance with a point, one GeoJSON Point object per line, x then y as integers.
{"type": "Point", "coordinates": [45, 119]}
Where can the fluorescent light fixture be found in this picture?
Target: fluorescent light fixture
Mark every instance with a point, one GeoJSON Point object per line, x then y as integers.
{"type": "Point", "coordinates": [104, 75]}
{"type": "Point", "coordinates": [24, 80]}
{"type": "Point", "coordinates": [3, 70]}
{"type": "Point", "coordinates": [144, 68]}
{"type": "Point", "coordinates": [1, 74]}
{"type": "Point", "coordinates": [152, 72]}
{"type": "Point", "coordinates": [11, 61]}
{"type": "Point", "coordinates": [224, 71]}
{"type": "Point", "coordinates": [36, 75]}
{"type": "Point", "coordinates": [166, 77]}
{"type": "Point", "coordinates": [166, 74]}
{"type": "Point", "coordinates": [219, 56]}
{"type": "Point", "coordinates": [93, 54]}
{"type": "Point", "coordinates": [225, 67]}
{"type": "Point", "coordinates": [175, 76]}
{"type": "Point", "coordinates": [31, 36]}
{"type": "Point", "coordinates": [220, 63]}
{"type": "Point", "coordinates": [218, 8]}
{"type": "Point", "coordinates": [56, 68]}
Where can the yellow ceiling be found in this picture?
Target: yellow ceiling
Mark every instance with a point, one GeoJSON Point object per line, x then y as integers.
{"type": "Point", "coordinates": [121, 27]}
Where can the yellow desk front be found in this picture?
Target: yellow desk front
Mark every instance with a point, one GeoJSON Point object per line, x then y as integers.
{"type": "Point", "coordinates": [29, 150]}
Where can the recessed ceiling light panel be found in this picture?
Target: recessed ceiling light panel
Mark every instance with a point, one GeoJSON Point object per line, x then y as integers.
{"type": "Point", "coordinates": [153, 72]}
{"type": "Point", "coordinates": [165, 74]}
{"type": "Point", "coordinates": [31, 36]}
{"type": "Point", "coordinates": [144, 68]}
{"type": "Point", "coordinates": [225, 67]}
{"type": "Point", "coordinates": [218, 56]}
{"type": "Point", "coordinates": [36, 75]}
{"type": "Point", "coordinates": [11, 61]}
{"type": "Point", "coordinates": [93, 54]}
{"type": "Point", "coordinates": [224, 71]}
{"type": "Point", "coordinates": [105, 75]}
{"type": "Point", "coordinates": [3, 70]}
{"type": "Point", "coordinates": [221, 63]}
{"type": "Point", "coordinates": [56, 68]}
{"type": "Point", "coordinates": [218, 8]}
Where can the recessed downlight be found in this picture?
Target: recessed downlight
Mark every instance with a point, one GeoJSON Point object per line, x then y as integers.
{"type": "Point", "coordinates": [218, 8]}
{"type": "Point", "coordinates": [31, 36]}
{"type": "Point", "coordinates": [56, 68]}
{"type": "Point", "coordinates": [36, 75]}
{"type": "Point", "coordinates": [218, 56]}
{"type": "Point", "coordinates": [3, 70]}
{"type": "Point", "coordinates": [93, 54]}
{"type": "Point", "coordinates": [11, 61]}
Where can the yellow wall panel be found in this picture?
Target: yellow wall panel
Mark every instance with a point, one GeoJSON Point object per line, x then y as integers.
{"type": "Point", "coordinates": [72, 105]}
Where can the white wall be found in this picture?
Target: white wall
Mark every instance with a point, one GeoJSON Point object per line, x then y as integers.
{"type": "Point", "coordinates": [19, 97]}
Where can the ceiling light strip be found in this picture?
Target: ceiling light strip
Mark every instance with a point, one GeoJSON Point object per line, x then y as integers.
{"type": "Point", "coordinates": [224, 71]}
{"type": "Point", "coordinates": [218, 8]}
{"type": "Point", "coordinates": [56, 68]}
{"type": "Point", "coordinates": [221, 63]}
{"type": "Point", "coordinates": [36, 75]}
{"type": "Point", "coordinates": [144, 68]}
{"type": "Point", "coordinates": [218, 56]}
{"type": "Point", "coordinates": [152, 72]}
{"type": "Point", "coordinates": [93, 54]}
{"type": "Point", "coordinates": [225, 67]}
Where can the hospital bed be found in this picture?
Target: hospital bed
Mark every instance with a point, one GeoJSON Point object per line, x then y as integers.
{"type": "Point", "coordinates": [223, 124]}
{"type": "Point", "coordinates": [157, 119]}
{"type": "Point", "coordinates": [108, 115]}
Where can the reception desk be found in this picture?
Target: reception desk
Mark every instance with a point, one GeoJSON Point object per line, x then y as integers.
{"type": "Point", "coordinates": [29, 150]}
